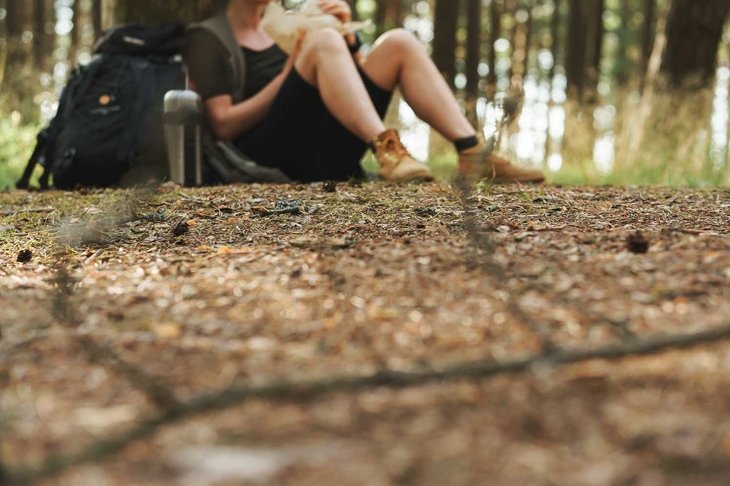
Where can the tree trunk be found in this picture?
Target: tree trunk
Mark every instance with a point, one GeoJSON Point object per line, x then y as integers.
{"type": "Point", "coordinates": [444, 38]}
{"type": "Point", "coordinates": [555, 36]}
{"type": "Point", "coordinates": [3, 45]}
{"type": "Point", "coordinates": [43, 33]}
{"type": "Point", "coordinates": [622, 65]}
{"type": "Point", "coordinates": [19, 78]}
{"type": "Point", "coordinates": [529, 26]}
{"type": "Point", "coordinates": [495, 30]}
{"type": "Point", "coordinates": [379, 17]}
{"type": "Point", "coordinates": [473, 56]}
{"type": "Point", "coordinates": [152, 13]}
{"type": "Point", "coordinates": [388, 15]}
{"type": "Point", "coordinates": [96, 14]}
{"type": "Point", "coordinates": [17, 12]}
{"type": "Point", "coordinates": [19, 20]}
{"type": "Point", "coordinates": [521, 44]}
{"type": "Point", "coordinates": [511, 7]}
{"type": "Point", "coordinates": [648, 32]}
{"type": "Point", "coordinates": [77, 32]}
{"type": "Point", "coordinates": [585, 36]}
{"type": "Point", "coordinates": [694, 30]}
{"type": "Point", "coordinates": [108, 14]}
{"type": "Point", "coordinates": [355, 11]}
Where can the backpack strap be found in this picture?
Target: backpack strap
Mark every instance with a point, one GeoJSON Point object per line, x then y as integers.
{"type": "Point", "coordinates": [40, 147]}
{"type": "Point", "coordinates": [220, 26]}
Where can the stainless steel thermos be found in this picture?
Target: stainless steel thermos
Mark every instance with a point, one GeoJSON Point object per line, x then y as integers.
{"type": "Point", "coordinates": [183, 122]}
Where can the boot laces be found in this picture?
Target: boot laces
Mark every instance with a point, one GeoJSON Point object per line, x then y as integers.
{"type": "Point", "coordinates": [391, 147]}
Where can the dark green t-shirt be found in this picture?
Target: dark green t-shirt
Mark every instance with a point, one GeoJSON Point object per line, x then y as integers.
{"type": "Point", "coordinates": [207, 62]}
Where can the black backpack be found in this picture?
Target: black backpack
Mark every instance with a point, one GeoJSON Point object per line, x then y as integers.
{"type": "Point", "coordinates": [108, 129]}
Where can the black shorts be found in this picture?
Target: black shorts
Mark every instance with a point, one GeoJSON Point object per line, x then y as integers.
{"type": "Point", "coordinates": [302, 138]}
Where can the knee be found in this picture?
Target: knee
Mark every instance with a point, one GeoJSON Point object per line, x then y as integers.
{"type": "Point", "coordinates": [400, 40]}
{"type": "Point", "coordinates": [325, 41]}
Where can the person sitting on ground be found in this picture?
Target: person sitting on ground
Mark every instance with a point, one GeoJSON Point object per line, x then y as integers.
{"type": "Point", "coordinates": [314, 113]}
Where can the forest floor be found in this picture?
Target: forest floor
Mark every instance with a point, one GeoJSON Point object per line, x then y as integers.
{"type": "Point", "coordinates": [125, 313]}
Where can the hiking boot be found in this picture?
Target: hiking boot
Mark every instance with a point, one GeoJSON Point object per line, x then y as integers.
{"type": "Point", "coordinates": [479, 162]}
{"type": "Point", "coordinates": [396, 164]}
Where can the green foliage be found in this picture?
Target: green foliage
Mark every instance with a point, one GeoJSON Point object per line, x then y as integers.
{"type": "Point", "coordinates": [20, 117]}
{"type": "Point", "coordinates": [16, 144]}
{"type": "Point", "coordinates": [655, 169]}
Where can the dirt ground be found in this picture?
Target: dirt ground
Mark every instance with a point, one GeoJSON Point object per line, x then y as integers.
{"type": "Point", "coordinates": [116, 306]}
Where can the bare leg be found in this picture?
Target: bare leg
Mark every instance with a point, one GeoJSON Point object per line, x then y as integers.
{"type": "Point", "coordinates": [399, 59]}
{"type": "Point", "coordinates": [325, 62]}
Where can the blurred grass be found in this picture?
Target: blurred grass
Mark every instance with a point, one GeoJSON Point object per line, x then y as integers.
{"type": "Point", "coordinates": [658, 168]}
{"type": "Point", "coordinates": [576, 173]}
{"type": "Point", "coordinates": [17, 141]}
{"type": "Point", "coordinates": [673, 145]}
{"type": "Point", "coordinates": [20, 119]}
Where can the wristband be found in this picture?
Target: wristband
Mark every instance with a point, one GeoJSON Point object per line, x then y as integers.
{"type": "Point", "coordinates": [355, 47]}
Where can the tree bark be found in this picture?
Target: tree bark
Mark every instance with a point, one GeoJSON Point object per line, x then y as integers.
{"type": "Point", "coordinates": [151, 13]}
{"type": "Point", "coordinates": [521, 43]}
{"type": "Point", "coordinates": [511, 8]}
{"type": "Point", "coordinates": [96, 17]}
{"type": "Point", "coordinates": [17, 12]}
{"type": "Point", "coordinates": [694, 31]}
{"type": "Point", "coordinates": [585, 37]}
{"type": "Point", "coordinates": [444, 38]}
{"type": "Point", "coordinates": [495, 29]}
{"type": "Point", "coordinates": [108, 13]}
{"type": "Point", "coordinates": [648, 32]}
{"type": "Point", "coordinates": [622, 64]}
{"type": "Point", "coordinates": [379, 17]}
{"type": "Point", "coordinates": [529, 26]}
{"type": "Point", "coordinates": [77, 31]}
{"type": "Point", "coordinates": [473, 56]}
{"type": "Point", "coordinates": [388, 15]}
{"type": "Point", "coordinates": [43, 33]}
{"type": "Point", "coordinates": [555, 22]}
{"type": "Point", "coordinates": [20, 80]}
{"type": "Point", "coordinates": [3, 46]}
{"type": "Point", "coordinates": [355, 11]}
{"type": "Point", "coordinates": [19, 20]}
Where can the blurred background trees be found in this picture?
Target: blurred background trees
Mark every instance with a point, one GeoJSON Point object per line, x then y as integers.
{"type": "Point", "coordinates": [589, 72]}
{"type": "Point", "coordinates": [694, 31]}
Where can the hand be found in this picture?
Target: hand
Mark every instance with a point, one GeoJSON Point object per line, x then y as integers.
{"type": "Point", "coordinates": [301, 36]}
{"type": "Point", "coordinates": [339, 8]}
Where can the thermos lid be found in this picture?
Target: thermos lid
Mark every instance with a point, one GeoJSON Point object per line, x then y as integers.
{"type": "Point", "coordinates": [183, 99]}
